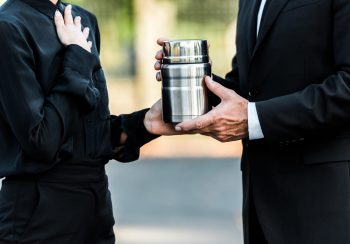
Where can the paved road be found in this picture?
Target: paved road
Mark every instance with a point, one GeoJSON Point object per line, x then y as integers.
{"type": "Point", "coordinates": [177, 201]}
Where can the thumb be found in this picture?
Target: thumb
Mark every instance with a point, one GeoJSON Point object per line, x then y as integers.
{"type": "Point", "coordinates": [219, 90]}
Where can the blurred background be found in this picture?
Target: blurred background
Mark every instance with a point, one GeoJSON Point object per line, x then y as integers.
{"type": "Point", "coordinates": [185, 189]}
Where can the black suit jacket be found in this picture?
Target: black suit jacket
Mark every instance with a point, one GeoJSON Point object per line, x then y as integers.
{"type": "Point", "coordinates": [298, 73]}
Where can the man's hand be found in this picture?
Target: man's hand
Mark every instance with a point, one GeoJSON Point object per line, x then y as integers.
{"type": "Point", "coordinates": [226, 122]}
{"type": "Point", "coordinates": [154, 122]}
{"type": "Point", "coordinates": [69, 31]}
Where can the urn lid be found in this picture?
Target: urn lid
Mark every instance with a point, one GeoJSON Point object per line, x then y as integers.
{"type": "Point", "coordinates": [185, 51]}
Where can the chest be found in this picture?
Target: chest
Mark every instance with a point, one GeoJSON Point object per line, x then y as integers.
{"type": "Point", "coordinates": [48, 52]}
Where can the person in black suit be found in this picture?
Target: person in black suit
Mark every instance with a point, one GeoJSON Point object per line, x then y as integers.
{"type": "Point", "coordinates": [56, 131]}
{"type": "Point", "coordinates": [288, 99]}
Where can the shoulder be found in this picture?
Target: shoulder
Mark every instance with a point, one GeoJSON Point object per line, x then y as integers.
{"type": "Point", "coordinates": [11, 15]}
{"type": "Point", "coordinates": [11, 24]}
{"type": "Point", "coordinates": [8, 26]}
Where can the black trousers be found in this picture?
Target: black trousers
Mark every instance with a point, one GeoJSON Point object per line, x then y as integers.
{"type": "Point", "coordinates": [62, 207]}
{"type": "Point", "coordinates": [253, 232]}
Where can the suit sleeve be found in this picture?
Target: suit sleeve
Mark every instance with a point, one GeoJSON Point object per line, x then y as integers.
{"type": "Point", "coordinates": [41, 122]}
{"type": "Point", "coordinates": [319, 108]}
{"type": "Point", "coordinates": [231, 81]}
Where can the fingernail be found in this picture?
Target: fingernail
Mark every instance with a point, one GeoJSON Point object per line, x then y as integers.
{"type": "Point", "coordinates": [69, 6]}
{"type": "Point", "coordinates": [178, 128]}
{"type": "Point", "coordinates": [57, 13]}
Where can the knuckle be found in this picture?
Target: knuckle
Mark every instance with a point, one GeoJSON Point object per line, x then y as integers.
{"type": "Point", "coordinates": [199, 125]}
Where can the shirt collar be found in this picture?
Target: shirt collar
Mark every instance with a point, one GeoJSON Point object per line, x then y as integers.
{"type": "Point", "coordinates": [45, 6]}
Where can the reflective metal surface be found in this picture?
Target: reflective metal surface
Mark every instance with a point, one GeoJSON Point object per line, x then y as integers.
{"type": "Point", "coordinates": [185, 51]}
{"type": "Point", "coordinates": [184, 92]}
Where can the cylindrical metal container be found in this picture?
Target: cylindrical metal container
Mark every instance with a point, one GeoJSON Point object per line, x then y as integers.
{"type": "Point", "coordinates": [184, 93]}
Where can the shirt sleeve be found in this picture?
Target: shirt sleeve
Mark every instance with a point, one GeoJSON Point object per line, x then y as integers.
{"type": "Point", "coordinates": [254, 128]}
{"type": "Point", "coordinates": [41, 122]}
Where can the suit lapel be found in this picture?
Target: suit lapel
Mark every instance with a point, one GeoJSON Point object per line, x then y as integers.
{"type": "Point", "coordinates": [271, 15]}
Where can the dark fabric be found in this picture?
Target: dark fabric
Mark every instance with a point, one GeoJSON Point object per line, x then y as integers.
{"type": "Point", "coordinates": [53, 100]}
{"type": "Point", "coordinates": [133, 125]}
{"type": "Point", "coordinates": [40, 210]}
{"type": "Point", "coordinates": [231, 81]}
{"type": "Point", "coordinates": [298, 73]}
{"type": "Point", "coordinates": [256, 235]}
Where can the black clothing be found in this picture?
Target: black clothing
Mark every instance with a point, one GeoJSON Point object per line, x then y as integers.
{"type": "Point", "coordinates": [54, 100]}
{"type": "Point", "coordinates": [45, 210]}
{"type": "Point", "coordinates": [56, 131]}
{"type": "Point", "coordinates": [298, 73]}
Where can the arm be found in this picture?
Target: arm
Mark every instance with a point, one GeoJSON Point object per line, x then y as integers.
{"type": "Point", "coordinates": [128, 132]}
{"type": "Point", "coordinates": [319, 108]}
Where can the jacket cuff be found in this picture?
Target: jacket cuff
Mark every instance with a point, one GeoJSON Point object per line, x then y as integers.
{"type": "Point", "coordinates": [76, 79]}
{"type": "Point", "coordinates": [133, 126]}
{"type": "Point", "coordinates": [116, 131]}
{"type": "Point", "coordinates": [80, 60]}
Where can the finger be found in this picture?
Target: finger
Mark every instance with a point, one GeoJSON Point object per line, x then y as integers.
{"type": "Point", "coordinates": [86, 32]}
{"type": "Point", "coordinates": [159, 55]}
{"type": "Point", "coordinates": [161, 40]}
{"type": "Point", "coordinates": [89, 44]}
{"type": "Point", "coordinates": [59, 22]}
{"type": "Point", "coordinates": [199, 124]}
{"type": "Point", "coordinates": [77, 22]}
{"type": "Point", "coordinates": [159, 76]}
{"type": "Point", "coordinates": [68, 18]}
{"type": "Point", "coordinates": [157, 65]}
{"type": "Point", "coordinates": [218, 89]}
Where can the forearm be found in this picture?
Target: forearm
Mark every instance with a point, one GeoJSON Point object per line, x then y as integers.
{"type": "Point", "coordinates": [317, 110]}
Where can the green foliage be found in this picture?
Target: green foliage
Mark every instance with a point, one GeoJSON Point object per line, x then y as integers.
{"type": "Point", "coordinates": [116, 15]}
{"type": "Point", "coordinates": [206, 11]}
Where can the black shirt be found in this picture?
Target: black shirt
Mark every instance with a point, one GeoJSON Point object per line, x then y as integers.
{"type": "Point", "coordinates": [54, 100]}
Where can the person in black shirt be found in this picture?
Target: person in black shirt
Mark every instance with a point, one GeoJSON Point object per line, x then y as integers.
{"type": "Point", "coordinates": [57, 133]}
